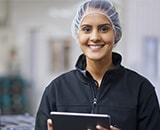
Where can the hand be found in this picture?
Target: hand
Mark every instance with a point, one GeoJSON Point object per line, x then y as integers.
{"type": "Point", "coordinates": [49, 124]}
{"type": "Point", "coordinates": [98, 127]}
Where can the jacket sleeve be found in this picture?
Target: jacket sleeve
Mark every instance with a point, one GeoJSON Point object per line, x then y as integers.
{"type": "Point", "coordinates": [44, 110]}
{"type": "Point", "coordinates": [148, 112]}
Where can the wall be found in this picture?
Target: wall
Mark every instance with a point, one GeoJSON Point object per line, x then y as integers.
{"type": "Point", "coordinates": [34, 24]}
{"type": "Point", "coordinates": [142, 26]}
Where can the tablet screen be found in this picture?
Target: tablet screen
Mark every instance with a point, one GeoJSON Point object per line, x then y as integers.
{"type": "Point", "coordinates": [79, 121]}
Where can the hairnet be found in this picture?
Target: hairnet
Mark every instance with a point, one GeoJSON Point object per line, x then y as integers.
{"type": "Point", "coordinates": [104, 7]}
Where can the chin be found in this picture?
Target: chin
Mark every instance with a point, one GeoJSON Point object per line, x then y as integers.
{"type": "Point", "coordinates": [95, 58]}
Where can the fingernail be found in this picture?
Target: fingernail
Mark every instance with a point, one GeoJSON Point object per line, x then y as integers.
{"type": "Point", "coordinates": [98, 126]}
{"type": "Point", "coordinates": [49, 121]}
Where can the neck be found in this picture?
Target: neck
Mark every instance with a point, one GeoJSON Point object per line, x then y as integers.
{"type": "Point", "coordinates": [98, 68]}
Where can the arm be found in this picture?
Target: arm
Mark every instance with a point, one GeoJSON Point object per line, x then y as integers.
{"type": "Point", "coordinates": [44, 110]}
{"type": "Point", "coordinates": [148, 111]}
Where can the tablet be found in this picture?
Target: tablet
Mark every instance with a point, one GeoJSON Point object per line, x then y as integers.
{"type": "Point", "coordinates": [79, 121]}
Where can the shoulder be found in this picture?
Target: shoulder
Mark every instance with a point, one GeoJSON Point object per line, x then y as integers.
{"type": "Point", "coordinates": [66, 75]}
{"type": "Point", "coordinates": [137, 79]}
{"type": "Point", "coordinates": [65, 78]}
{"type": "Point", "coordinates": [138, 86]}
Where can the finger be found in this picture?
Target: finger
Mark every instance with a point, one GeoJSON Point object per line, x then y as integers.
{"type": "Point", "coordinates": [113, 128]}
{"type": "Point", "coordinates": [49, 124]}
{"type": "Point", "coordinates": [98, 127]}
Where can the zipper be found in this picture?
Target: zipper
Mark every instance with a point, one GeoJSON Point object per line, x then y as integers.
{"type": "Point", "coordinates": [95, 94]}
{"type": "Point", "coordinates": [94, 104]}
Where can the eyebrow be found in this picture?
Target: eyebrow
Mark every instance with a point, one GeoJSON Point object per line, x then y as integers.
{"type": "Point", "coordinates": [105, 24]}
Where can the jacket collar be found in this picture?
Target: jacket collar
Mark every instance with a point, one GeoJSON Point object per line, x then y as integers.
{"type": "Point", "coordinates": [81, 62]}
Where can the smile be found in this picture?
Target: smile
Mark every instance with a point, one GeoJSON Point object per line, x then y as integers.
{"type": "Point", "coordinates": [95, 46]}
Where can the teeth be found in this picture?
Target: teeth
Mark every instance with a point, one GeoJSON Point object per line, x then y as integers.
{"type": "Point", "coordinates": [95, 47]}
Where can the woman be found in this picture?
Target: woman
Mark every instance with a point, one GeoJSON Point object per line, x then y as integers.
{"type": "Point", "coordinates": [100, 84]}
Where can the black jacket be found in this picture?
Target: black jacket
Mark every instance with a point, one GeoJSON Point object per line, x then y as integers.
{"type": "Point", "coordinates": [128, 97]}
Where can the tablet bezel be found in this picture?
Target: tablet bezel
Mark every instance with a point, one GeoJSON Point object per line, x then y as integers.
{"type": "Point", "coordinates": [79, 121]}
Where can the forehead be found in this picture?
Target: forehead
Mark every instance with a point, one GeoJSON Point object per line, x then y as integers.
{"type": "Point", "coordinates": [95, 19]}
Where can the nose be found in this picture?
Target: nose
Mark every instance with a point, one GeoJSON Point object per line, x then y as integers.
{"type": "Point", "coordinates": [95, 36]}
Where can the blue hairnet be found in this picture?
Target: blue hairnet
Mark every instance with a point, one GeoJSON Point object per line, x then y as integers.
{"type": "Point", "coordinates": [104, 7]}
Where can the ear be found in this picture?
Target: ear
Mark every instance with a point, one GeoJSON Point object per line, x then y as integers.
{"type": "Point", "coordinates": [77, 34]}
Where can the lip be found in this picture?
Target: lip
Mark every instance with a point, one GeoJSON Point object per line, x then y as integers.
{"type": "Point", "coordinates": [95, 46]}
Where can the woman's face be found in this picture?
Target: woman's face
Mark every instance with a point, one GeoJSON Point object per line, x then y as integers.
{"type": "Point", "coordinates": [96, 37]}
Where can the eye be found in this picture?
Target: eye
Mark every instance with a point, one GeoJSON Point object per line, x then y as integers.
{"type": "Point", "coordinates": [86, 29]}
{"type": "Point", "coordinates": [104, 29]}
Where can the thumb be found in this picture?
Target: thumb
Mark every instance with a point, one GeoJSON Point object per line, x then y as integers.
{"type": "Point", "coordinates": [49, 124]}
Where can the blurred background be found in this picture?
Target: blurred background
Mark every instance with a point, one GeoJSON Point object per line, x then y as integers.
{"type": "Point", "coordinates": [36, 46]}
